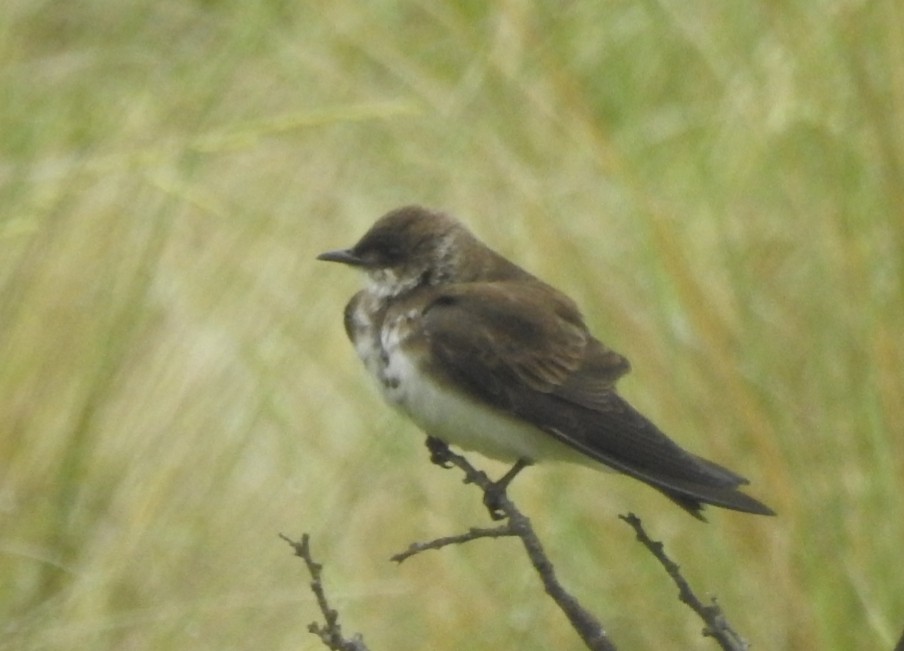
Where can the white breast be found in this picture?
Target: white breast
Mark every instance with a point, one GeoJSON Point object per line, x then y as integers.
{"type": "Point", "coordinates": [456, 417]}
{"type": "Point", "coordinates": [439, 410]}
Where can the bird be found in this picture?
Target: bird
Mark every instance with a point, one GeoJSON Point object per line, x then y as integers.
{"type": "Point", "coordinates": [485, 356]}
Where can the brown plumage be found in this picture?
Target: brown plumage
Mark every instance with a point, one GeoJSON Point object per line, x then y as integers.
{"type": "Point", "coordinates": [483, 354]}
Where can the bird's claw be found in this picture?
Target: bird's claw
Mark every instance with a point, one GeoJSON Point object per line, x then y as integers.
{"type": "Point", "coordinates": [439, 452]}
{"type": "Point", "coordinates": [493, 497]}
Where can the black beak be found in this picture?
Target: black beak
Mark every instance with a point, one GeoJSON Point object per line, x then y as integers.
{"type": "Point", "coordinates": [345, 256]}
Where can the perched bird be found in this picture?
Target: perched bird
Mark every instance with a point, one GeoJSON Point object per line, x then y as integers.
{"type": "Point", "coordinates": [481, 354]}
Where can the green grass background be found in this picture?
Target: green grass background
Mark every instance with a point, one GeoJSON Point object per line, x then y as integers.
{"type": "Point", "coordinates": [719, 185]}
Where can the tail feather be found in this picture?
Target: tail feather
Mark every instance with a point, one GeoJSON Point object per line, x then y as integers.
{"type": "Point", "coordinates": [693, 499]}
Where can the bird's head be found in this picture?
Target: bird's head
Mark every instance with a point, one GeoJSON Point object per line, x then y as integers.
{"type": "Point", "coordinates": [409, 247]}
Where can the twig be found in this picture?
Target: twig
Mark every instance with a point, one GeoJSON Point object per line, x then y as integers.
{"type": "Point", "coordinates": [717, 626]}
{"type": "Point", "coordinates": [473, 533]}
{"type": "Point", "coordinates": [500, 506]}
{"type": "Point", "coordinates": [331, 633]}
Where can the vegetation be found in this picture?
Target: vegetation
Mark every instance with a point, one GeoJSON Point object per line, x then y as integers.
{"type": "Point", "coordinates": [718, 184]}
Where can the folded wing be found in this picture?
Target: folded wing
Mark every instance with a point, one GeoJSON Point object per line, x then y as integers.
{"type": "Point", "coordinates": [524, 349]}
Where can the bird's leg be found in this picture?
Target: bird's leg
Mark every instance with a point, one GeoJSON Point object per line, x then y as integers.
{"type": "Point", "coordinates": [495, 492]}
{"type": "Point", "coordinates": [439, 452]}
{"type": "Point", "coordinates": [506, 479]}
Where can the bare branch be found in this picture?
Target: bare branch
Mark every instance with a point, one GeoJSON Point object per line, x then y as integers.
{"type": "Point", "coordinates": [518, 525]}
{"type": "Point", "coordinates": [331, 633]}
{"type": "Point", "coordinates": [717, 626]}
{"type": "Point", "coordinates": [474, 533]}
{"type": "Point", "coordinates": [500, 506]}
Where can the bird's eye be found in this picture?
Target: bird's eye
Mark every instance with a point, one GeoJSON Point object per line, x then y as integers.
{"type": "Point", "coordinates": [392, 253]}
{"type": "Point", "coordinates": [381, 253]}
{"type": "Point", "coordinates": [386, 250]}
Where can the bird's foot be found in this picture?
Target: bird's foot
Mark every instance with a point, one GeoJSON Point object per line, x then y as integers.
{"type": "Point", "coordinates": [439, 452]}
{"type": "Point", "coordinates": [495, 494]}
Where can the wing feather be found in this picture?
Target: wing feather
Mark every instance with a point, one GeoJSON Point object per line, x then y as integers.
{"type": "Point", "coordinates": [523, 348]}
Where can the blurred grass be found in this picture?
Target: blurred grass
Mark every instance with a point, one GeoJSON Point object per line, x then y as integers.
{"type": "Point", "coordinates": [719, 187]}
